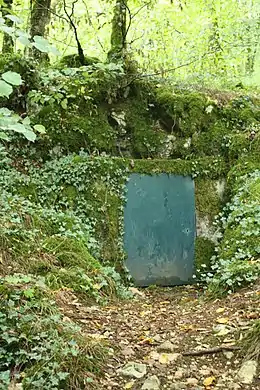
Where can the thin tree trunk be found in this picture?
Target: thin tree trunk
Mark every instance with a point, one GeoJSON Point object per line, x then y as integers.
{"type": "Point", "coordinates": [40, 17]}
{"type": "Point", "coordinates": [8, 43]}
{"type": "Point", "coordinates": [119, 31]}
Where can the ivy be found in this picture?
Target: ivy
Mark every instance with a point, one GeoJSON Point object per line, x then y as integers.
{"type": "Point", "coordinates": [38, 348]}
{"type": "Point", "coordinates": [236, 262]}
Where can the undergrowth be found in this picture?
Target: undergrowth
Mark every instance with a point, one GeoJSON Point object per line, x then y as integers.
{"type": "Point", "coordinates": [251, 342]}
{"type": "Point", "coordinates": [38, 348]}
{"type": "Point", "coordinates": [54, 244]}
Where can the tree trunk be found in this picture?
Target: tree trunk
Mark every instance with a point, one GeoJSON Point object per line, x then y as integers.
{"type": "Point", "coordinates": [8, 43]}
{"type": "Point", "coordinates": [40, 17]}
{"type": "Point", "coordinates": [119, 32]}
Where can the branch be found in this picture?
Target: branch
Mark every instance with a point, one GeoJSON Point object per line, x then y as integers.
{"type": "Point", "coordinates": [129, 24]}
{"type": "Point", "coordinates": [69, 16]}
{"type": "Point", "coordinates": [211, 351]}
{"type": "Point", "coordinates": [131, 17]}
{"type": "Point", "coordinates": [140, 9]}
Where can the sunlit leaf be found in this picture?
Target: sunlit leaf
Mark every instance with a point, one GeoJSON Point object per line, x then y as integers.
{"type": "Point", "coordinates": [12, 78]}
{"type": "Point", "coordinates": [14, 19]}
{"type": "Point", "coordinates": [40, 129]}
{"type": "Point", "coordinates": [23, 40]}
{"type": "Point", "coordinates": [5, 89]}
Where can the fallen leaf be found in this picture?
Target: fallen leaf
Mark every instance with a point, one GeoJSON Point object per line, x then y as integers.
{"type": "Point", "coordinates": [144, 313]}
{"type": "Point", "coordinates": [166, 358]}
{"type": "Point", "coordinates": [209, 381]}
{"type": "Point", "coordinates": [163, 358]}
{"type": "Point", "coordinates": [147, 340]}
{"type": "Point", "coordinates": [223, 320]}
{"type": "Point", "coordinates": [129, 385]}
{"type": "Point", "coordinates": [187, 328]}
{"type": "Point", "coordinates": [220, 310]}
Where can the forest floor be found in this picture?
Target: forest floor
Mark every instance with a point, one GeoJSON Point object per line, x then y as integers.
{"type": "Point", "coordinates": [150, 335]}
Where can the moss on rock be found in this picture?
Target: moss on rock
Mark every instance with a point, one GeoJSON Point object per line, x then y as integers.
{"type": "Point", "coordinates": [208, 200]}
{"type": "Point", "coordinates": [204, 250]}
{"type": "Point", "coordinates": [183, 112]}
{"type": "Point", "coordinates": [73, 61]}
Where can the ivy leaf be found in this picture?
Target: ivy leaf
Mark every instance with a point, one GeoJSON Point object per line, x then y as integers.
{"type": "Point", "coordinates": [12, 78]}
{"type": "Point", "coordinates": [64, 104]}
{"type": "Point", "coordinates": [5, 89]}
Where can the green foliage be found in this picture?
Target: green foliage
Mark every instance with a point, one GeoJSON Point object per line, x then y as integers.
{"type": "Point", "coordinates": [10, 122]}
{"type": "Point", "coordinates": [73, 105]}
{"type": "Point", "coordinates": [236, 263]}
{"type": "Point", "coordinates": [38, 348]}
{"type": "Point", "coordinates": [54, 244]}
{"type": "Point", "coordinates": [25, 67]}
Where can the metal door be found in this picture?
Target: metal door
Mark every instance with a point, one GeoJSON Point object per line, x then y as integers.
{"type": "Point", "coordinates": [159, 220]}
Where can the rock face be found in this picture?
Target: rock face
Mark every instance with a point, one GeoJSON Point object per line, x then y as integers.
{"type": "Point", "coordinates": [133, 370]}
{"type": "Point", "coordinates": [151, 383]}
{"type": "Point", "coordinates": [247, 372]}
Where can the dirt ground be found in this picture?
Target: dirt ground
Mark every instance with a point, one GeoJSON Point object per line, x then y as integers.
{"type": "Point", "coordinates": [150, 335]}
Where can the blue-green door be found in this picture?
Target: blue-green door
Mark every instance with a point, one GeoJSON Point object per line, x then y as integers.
{"type": "Point", "coordinates": [159, 220]}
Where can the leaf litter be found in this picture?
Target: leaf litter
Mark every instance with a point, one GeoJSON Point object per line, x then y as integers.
{"type": "Point", "coordinates": [170, 338]}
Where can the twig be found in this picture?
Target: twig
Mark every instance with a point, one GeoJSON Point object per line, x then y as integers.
{"type": "Point", "coordinates": [211, 350]}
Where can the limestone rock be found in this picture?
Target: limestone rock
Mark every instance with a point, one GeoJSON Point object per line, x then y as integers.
{"type": "Point", "coordinates": [247, 372]}
{"type": "Point", "coordinates": [192, 381]}
{"type": "Point", "coordinates": [179, 374]}
{"type": "Point", "coordinates": [133, 370]}
{"type": "Point", "coordinates": [228, 354]}
{"type": "Point", "coordinates": [151, 383]}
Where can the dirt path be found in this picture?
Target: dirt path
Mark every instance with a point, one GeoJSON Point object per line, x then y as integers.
{"type": "Point", "coordinates": [158, 326]}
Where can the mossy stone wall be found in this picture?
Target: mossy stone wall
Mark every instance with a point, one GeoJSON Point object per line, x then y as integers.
{"type": "Point", "coordinates": [94, 188]}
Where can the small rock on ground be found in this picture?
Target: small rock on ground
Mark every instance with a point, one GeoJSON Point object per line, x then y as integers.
{"type": "Point", "coordinates": [247, 372]}
{"type": "Point", "coordinates": [151, 383]}
{"type": "Point", "coordinates": [133, 370]}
